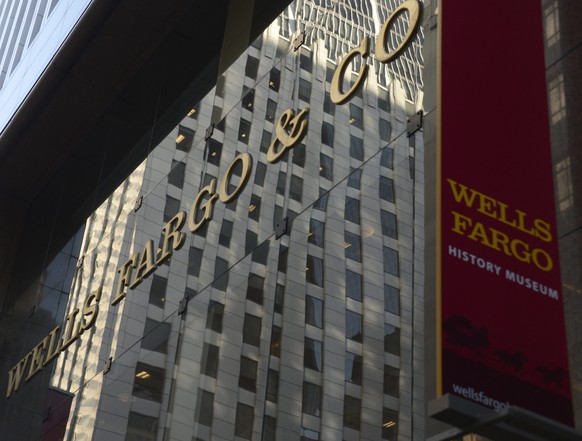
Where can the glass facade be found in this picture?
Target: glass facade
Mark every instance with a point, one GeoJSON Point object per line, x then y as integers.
{"type": "Point", "coordinates": [239, 284]}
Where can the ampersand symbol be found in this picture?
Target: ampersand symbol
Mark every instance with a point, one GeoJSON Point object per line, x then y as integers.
{"type": "Point", "coordinates": [290, 129]}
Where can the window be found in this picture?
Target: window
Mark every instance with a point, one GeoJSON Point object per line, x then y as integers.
{"type": "Point", "coordinates": [296, 188]}
{"type": "Point", "coordinates": [391, 339]}
{"type": "Point", "coordinates": [311, 399]}
{"type": "Point", "coordinates": [313, 354]}
{"type": "Point", "coordinates": [299, 155]}
{"type": "Point", "coordinates": [353, 285]}
{"type": "Point", "coordinates": [352, 246]}
{"type": "Point", "coordinates": [309, 435]}
{"type": "Point", "coordinates": [314, 312]}
{"type": "Point", "coordinates": [251, 241]}
{"type": "Point", "coordinates": [155, 336]}
{"type": "Point", "coordinates": [391, 261]}
{"type": "Point", "coordinates": [243, 425]}
{"type": "Point", "coordinates": [305, 60]}
{"type": "Point", "coordinates": [209, 362]}
{"type": "Point", "coordinates": [265, 141]}
{"type": "Point", "coordinates": [171, 208]}
{"type": "Point", "coordinates": [279, 296]}
{"type": "Point", "coordinates": [321, 203]}
{"type": "Point", "coordinates": [352, 412]}
{"type": "Point", "coordinates": [255, 208]}
{"type": "Point", "coordinates": [327, 134]}
{"type": "Point", "coordinates": [354, 368]}
{"type": "Point", "coordinates": [141, 427]}
{"type": "Point", "coordinates": [221, 274]}
{"type": "Point", "coordinates": [354, 326]}
{"type": "Point", "coordinates": [314, 270]}
{"type": "Point", "coordinates": [356, 116]}
{"type": "Point", "coordinates": [328, 105]}
{"type": "Point", "coordinates": [274, 79]}
{"type": "Point", "coordinates": [386, 189]}
{"type": "Point", "coordinates": [384, 104]}
{"type": "Point", "coordinates": [252, 67]}
{"type": "Point", "coordinates": [194, 111]}
{"type": "Point", "coordinates": [390, 424]}
{"type": "Point", "coordinates": [385, 130]}
{"type": "Point", "coordinates": [158, 291]}
{"type": "Point", "coordinates": [282, 264]}
{"type": "Point", "coordinates": [316, 232]}
{"type": "Point", "coordinates": [248, 99]}
{"type": "Point", "coordinates": [271, 110]}
{"type": "Point", "coordinates": [216, 112]}
{"type": "Point", "coordinates": [194, 261]}
{"type": "Point", "coordinates": [272, 385]}
{"type": "Point", "coordinates": [354, 178]}
{"type": "Point", "coordinates": [260, 173]}
{"type": "Point", "coordinates": [304, 90]}
{"type": "Point", "coordinates": [269, 428]}
{"type": "Point", "coordinates": [247, 378]}
{"type": "Point", "coordinates": [177, 173]}
{"type": "Point", "coordinates": [214, 316]}
{"type": "Point", "coordinates": [148, 382]}
{"type": "Point", "coordinates": [220, 81]}
{"type": "Point", "coordinates": [204, 407]}
{"type": "Point", "coordinates": [225, 233]}
{"type": "Point", "coordinates": [387, 158]}
{"type": "Point", "coordinates": [261, 253]}
{"type": "Point", "coordinates": [388, 221]}
{"type": "Point", "coordinates": [252, 330]}
{"type": "Point", "coordinates": [214, 152]}
{"type": "Point", "coordinates": [275, 350]}
{"type": "Point", "coordinates": [281, 183]}
{"type": "Point", "coordinates": [244, 131]}
{"type": "Point", "coordinates": [391, 299]}
{"type": "Point", "coordinates": [184, 139]}
{"type": "Point", "coordinates": [352, 211]}
{"type": "Point", "coordinates": [391, 380]}
{"type": "Point", "coordinates": [325, 166]}
{"type": "Point", "coordinates": [356, 148]}
{"type": "Point", "coordinates": [255, 288]}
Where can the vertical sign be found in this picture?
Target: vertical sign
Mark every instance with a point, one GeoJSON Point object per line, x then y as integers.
{"type": "Point", "coordinates": [501, 327]}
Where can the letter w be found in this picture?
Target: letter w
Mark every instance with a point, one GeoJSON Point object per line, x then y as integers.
{"type": "Point", "coordinates": [461, 194]}
{"type": "Point", "coordinates": [15, 376]}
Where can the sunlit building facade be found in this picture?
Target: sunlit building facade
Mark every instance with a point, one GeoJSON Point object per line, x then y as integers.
{"type": "Point", "coordinates": [303, 272]}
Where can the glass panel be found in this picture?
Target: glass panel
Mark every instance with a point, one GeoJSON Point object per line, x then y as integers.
{"type": "Point", "coordinates": [194, 374]}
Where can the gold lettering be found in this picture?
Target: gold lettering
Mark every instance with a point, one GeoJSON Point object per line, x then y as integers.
{"type": "Point", "coordinates": [71, 330]}
{"type": "Point", "coordinates": [479, 234]}
{"type": "Point", "coordinates": [521, 223]}
{"type": "Point", "coordinates": [336, 94]}
{"type": "Point", "coordinates": [247, 165]}
{"type": "Point", "coordinates": [124, 277]}
{"type": "Point", "coordinates": [36, 359]}
{"type": "Point", "coordinates": [543, 230]}
{"type": "Point", "coordinates": [171, 232]}
{"type": "Point", "coordinates": [297, 126]}
{"type": "Point", "coordinates": [193, 224]}
{"type": "Point", "coordinates": [53, 349]}
{"type": "Point", "coordinates": [146, 265]}
{"type": "Point", "coordinates": [503, 214]}
{"type": "Point", "coordinates": [460, 193]}
{"type": "Point", "coordinates": [461, 223]}
{"type": "Point", "coordinates": [90, 310]}
{"type": "Point", "coordinates": [15, 376]}
{"type": "Point", "coordinates": [413, 8]}
{"type": "Point", "coordinates": [549, 264]}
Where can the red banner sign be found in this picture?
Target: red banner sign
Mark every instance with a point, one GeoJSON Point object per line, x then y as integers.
{"type": "Point", "coordinates": [501, 323]}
